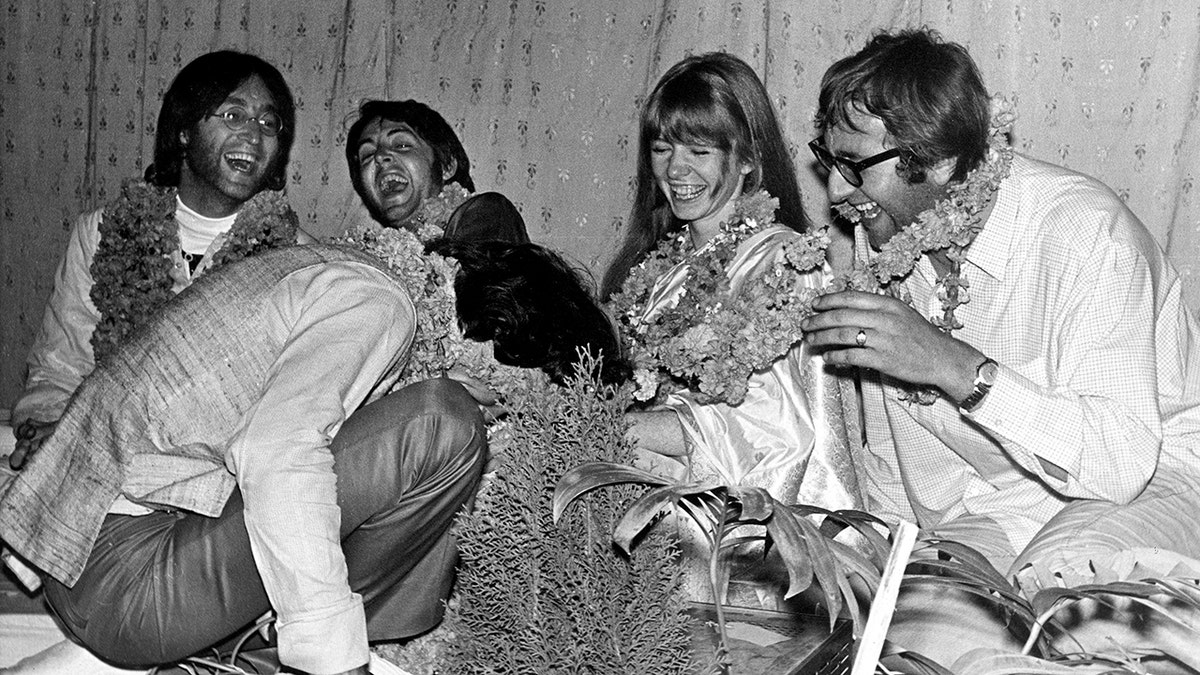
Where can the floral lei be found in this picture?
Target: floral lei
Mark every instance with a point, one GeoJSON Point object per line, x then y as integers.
{"type": "Point", "coordinates": [711, 340]}
{"type": "Point", "coordinates": [951, 225]}
{"type": "Point", "coordinates": [438, 345]}
{"type": "Point", "coordinates": [435, 212]}
{"type": "Point", "coordinates": [138, 235]}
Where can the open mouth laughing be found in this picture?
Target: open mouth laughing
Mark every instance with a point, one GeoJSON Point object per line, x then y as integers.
{"type": "Point", "coordinates": [856, 213]}
{"type": "Point", "coordinates": [242, 162]}
{"type": "Point", "coordinates": [391, 183]}
{"type": "Point", "coordinates": [686, 193]}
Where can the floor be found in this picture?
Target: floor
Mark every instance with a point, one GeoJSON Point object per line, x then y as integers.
{"type": "Point", "coordinates": [26, 627]}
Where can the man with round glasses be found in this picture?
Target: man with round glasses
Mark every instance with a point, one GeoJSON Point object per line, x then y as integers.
{"type": "Point", "coordinates": [224, 133]}
{"type": "Point", "coordinates": [1036, 392]}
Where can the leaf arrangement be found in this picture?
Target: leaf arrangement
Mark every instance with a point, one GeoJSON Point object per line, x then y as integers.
{"type": "Point", "coordinates": [539, 597]}
{"type": "Point", "coordinates": [808, 548]}
{"type": "Point", "coordinates": [957, 566]}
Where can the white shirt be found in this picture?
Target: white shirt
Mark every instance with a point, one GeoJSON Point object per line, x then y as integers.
{"type": "Point", "coordinates": [1098, 375]}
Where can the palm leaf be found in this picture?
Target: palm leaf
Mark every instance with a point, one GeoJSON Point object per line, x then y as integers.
{"type": "Point", "coordinates": [786, 532]}
{"type": "Point", "coordinates": [862, 522]}
{"type": "Point", "coordinates": [972, 561]}
{"type": "Point", "coordinates": [757, 503]}
{"type": "Point", "coordinates": [912, 663]}
{"type": "Point", "coordinates": [858, 564]}
{"type": "Point", "coordinates": [591, 475]}
{"type": "Point", "coordinates": [825, 568]}
{"type": "Point", "coordinates": [641, 514]}
{"type": "Point", "coordinates": [993, 662]}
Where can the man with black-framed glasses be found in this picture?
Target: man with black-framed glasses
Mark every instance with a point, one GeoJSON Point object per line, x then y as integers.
{"type": "Point", "coordinates": [1036, 393]}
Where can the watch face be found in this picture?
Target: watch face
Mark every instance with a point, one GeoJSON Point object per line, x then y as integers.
{"type": "Point", "coordinates": [986, 374]}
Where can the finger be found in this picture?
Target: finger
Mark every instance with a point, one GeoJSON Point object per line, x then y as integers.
{"type": "Point", "coordinates": [17, 459]}
{"type": "Point", "coordinates": [839, 337]}
{"type": "Point", "coordinates": [851, 300]}
{"type": "Point", "coordinates": [837, 318]}
{"type": "Point", "coordinates": [858, 357]}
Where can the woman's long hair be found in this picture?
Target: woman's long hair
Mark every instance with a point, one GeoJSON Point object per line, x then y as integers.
{"type": "Point", "coordinates": [713, 99]}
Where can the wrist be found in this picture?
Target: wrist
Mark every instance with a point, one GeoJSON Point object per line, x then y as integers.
{"type": "Point", "coordinates": [985, 379]}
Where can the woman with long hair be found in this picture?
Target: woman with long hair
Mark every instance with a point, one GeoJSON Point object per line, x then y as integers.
{"type": "Point", "coordinates": [704, 242]}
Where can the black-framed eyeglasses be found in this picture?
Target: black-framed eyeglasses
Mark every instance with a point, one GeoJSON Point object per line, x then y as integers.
{"type": "Point", "coordinates": [237, 118]}
{"type": "Point", "coordinates": [850, 169]}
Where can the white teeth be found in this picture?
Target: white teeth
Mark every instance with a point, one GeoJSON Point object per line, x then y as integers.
{"type": "Point", "coordinates": [240, 161]}
{"type": "Point", "coordinates": [686, 192]}
{"type": "Point", "coordinates": [391, 183]}
{"type": "Point", "coordinates": [856, 213]}
{"type": "Point", "coordinates": [869, 210]}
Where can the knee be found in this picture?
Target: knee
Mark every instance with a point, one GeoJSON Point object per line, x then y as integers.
{"type": "Point", "coordinates": [428, 428]}
{"type": "Point", "coordinates": [446, 416]}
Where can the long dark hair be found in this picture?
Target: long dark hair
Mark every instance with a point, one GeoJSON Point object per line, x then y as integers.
{"type": "Point", "coordinates": [715, 99]}
{"type": "Point", "coordinates": [198, 90]}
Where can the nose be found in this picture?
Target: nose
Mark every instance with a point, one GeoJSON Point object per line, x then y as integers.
{"type": "Point", "coordinates": [251, 130]}
{"type": "Point", "coordinates": [383, 157]}
{"type": "Point", "coordinates": [837, 187]}
{"type": "Point", "coordinates": [677, 166]}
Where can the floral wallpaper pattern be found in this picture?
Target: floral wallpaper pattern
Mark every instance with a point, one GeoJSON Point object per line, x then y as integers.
{"type": "Point", "coordinates": [545, 95]}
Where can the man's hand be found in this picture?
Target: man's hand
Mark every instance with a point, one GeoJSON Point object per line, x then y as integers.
{"type": "Point", "coordinates": [30, 436]}
{"type": "Point", "coordinates": [894, 340]}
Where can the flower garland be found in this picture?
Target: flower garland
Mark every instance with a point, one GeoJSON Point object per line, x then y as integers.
{"type": "Point", "coordinates": [438, 344]}
{"type": "Point", "coordinates": [434, 213]}
{"type": "Point", "coordinates": [951, 225]}
{"type": "Point", "coordinates": [131, 269]}
{"type": "Point", "coordinates": [710, 339]}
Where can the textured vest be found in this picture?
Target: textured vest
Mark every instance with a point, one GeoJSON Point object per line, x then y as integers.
{"type": "Point", "coordinates": [154, 418]}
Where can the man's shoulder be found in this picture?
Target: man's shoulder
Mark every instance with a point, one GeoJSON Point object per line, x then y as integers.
{"type": "Point", "coordinates": [1062, 201]}
{"type": "Point", "coordinates": [1054, 207]}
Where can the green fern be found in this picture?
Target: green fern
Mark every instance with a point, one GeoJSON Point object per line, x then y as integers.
{"type": "Point", "coordinates": [535, 597]}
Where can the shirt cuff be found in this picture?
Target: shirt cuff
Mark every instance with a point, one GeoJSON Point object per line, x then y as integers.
{"type": "Point", "coordinates": [333, 642]}
{"type": "Point", "coordinates": [1006, 413]}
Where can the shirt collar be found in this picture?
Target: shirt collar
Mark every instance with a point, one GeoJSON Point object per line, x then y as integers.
{"type": "Point", "coordinates": [992, 248]}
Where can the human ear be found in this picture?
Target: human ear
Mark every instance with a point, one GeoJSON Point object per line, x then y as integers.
{"type": "Point", "coordinates": [941, 173]}
{"type": "Point", "coordinates": [450, 169]}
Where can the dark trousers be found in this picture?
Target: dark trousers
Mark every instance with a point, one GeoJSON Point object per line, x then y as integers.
{"type": "Point", "coordinates": [161, 587]}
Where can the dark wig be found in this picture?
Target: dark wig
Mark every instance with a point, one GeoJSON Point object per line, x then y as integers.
{"type": "Point", "coordinates": [713, 99]}
{"type": "Point", "coordinates": [197, 91]}
{"type": "Point", "coordinates": [929, 94]}
{"type": "Point", "coordinates": [426, 123]}
{"type": "Point", "coordinates": [533, 306]}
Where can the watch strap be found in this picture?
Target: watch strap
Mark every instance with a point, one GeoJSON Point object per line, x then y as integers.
{"type": "Point", "coordinates": [982, 385]}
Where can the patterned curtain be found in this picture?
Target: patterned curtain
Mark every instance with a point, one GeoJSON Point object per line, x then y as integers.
{"type": "Point", "coordinates": [545, 95]}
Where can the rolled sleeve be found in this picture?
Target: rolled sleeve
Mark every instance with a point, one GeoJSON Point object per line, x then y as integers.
{"type": "Point", "coordinates": [344, 328]}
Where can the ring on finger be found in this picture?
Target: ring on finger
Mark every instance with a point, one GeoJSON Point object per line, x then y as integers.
{"type": "Point", "coordinates": [861, 338]}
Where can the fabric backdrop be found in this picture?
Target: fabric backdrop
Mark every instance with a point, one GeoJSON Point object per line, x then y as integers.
{"type": "Point", "coordinates": [545, 95]}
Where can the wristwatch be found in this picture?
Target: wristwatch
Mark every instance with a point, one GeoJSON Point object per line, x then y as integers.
{"type": "Point", "coordinates": [985, 377]}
